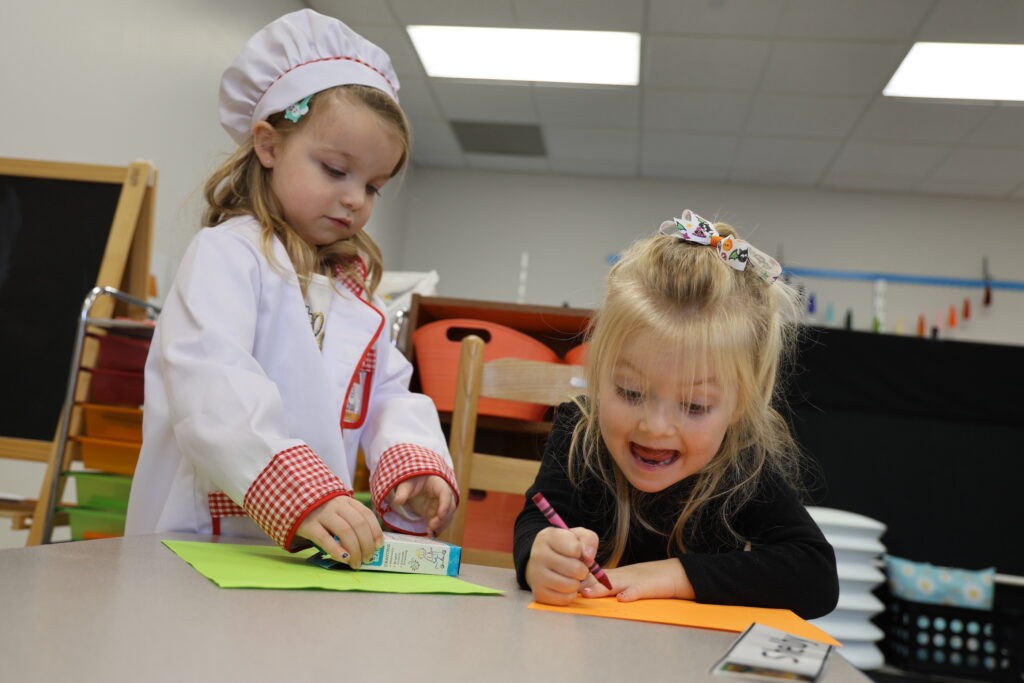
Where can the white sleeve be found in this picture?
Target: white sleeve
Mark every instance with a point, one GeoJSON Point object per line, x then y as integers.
{"type": "Point", "coordinates": [402, 436]}
{"type": "Point", "coordinates": [227, 415]}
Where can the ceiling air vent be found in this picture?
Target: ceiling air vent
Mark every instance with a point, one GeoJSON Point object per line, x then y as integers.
{"type": "Point", "coordinates": [499, 138]}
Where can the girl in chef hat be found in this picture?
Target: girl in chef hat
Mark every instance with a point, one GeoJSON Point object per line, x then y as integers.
{"type": "Point", "coordinates": [270, 366]}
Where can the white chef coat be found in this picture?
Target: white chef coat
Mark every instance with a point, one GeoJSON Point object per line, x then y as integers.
{"type": "Point", "coordinates": [237, 389]}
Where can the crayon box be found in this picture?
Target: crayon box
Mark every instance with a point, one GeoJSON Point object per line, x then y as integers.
{"type": "Point", "coordinates": [407, 555]}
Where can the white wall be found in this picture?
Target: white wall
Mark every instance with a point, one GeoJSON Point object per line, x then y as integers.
{"type": "Point", "coordinates": [111, 81]}
{"type": "Point", "coordinates": [472, 226]}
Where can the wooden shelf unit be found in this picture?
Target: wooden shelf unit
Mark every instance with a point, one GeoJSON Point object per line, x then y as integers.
{"type": "Point", "coordinates": [489, 519]}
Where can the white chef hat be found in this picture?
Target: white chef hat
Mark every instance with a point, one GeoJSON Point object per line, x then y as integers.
{"type": "Point", "coordinates": [292, 57]}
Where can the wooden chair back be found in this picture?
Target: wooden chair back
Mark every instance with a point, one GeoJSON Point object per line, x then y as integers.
{"type": "Point", "coordinates": [504, 378]}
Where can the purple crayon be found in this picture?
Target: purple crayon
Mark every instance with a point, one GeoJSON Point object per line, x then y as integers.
{"type": "Point", "coordinates": [545, 508]}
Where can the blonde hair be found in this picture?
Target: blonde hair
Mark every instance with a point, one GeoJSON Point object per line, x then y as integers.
{"type": "Point", "coordinates": [241, 186]}
{"type": "Point", "coordinates": [685, 295]}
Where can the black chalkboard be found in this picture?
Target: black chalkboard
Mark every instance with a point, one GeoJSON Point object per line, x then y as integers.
{"type": "Point", "coordinates": [53, 234]}
{"type": "Point", "coordinates": [64, 228]}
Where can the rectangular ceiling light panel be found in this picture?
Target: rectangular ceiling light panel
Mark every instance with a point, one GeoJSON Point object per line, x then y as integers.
{"type": "Point", "coordinates": [516, 54]}
{"type": "Point", "coordinates": [961, 71]}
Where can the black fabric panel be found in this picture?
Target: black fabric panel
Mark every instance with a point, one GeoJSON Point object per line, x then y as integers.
{"type": "Point", "coordinates": [910, 376]}
{"type": "Point", "coordinates": [923, 435]}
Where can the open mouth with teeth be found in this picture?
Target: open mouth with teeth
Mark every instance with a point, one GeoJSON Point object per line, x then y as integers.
{"type": "Point", "coordinates": [652, 458]}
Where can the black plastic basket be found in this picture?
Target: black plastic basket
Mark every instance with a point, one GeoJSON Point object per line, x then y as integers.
{"type": "Point", "coordinates": [953, 641]}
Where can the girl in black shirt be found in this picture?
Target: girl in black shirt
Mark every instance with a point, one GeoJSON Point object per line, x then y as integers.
{"type": "Point", "coordinates": [675, 468]}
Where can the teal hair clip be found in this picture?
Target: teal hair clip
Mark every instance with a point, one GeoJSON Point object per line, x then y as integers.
{"type": "Point", "coordinates": [298, 110]}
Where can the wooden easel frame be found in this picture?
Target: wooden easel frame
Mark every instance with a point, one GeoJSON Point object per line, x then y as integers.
{"type": "Point", "coordinates": [125, 265]}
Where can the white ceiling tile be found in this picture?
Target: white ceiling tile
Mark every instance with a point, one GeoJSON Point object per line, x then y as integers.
{"type": "Point", "coordinates": [590, 167]}
{"type": "Point", "coordinates": [872, 181]}
{"type": "Point", "coordinates": [502, 162]}
{"type": "Point", "coordinates": [903, 120]}
{"type": "Point", "coordinates": [832, 68]}
{"type": "Point", "coordinates": [354, 11]}
{"type": "Point", "coordinates": [677, 110]}
{"type": "Point", "coordinates": [1003, 127]}
{"type": "Point", "coordinates": [600, 144]}
{"type": "Point", "coordinates": [865, 158]}
{"type": "Point", "coordinates": [804, 115]}
{"type": "Point", "coordinates": [965, 187]}
{"type": "Point", "coordinates": [438, 160]}
{"type": "Point", "coordinates": [983, 164]}
{"type": "Point", "coordinates": [395, 41]}
{"type": "Point", "coordinates": [588, 106]}
{"type": "Point", "coordinates": [475, 101]}
{"type": "Point", "coordinates": [455, 12]}
{"type": "Point", "coordinates": [803, 178]}
{"type": "Point", "coordinates": [434, 137]}
{"type": "Point", "coordinates": [417, 99]}
{"type": "Point", "coordinates": [853, 19]}
{"type": "Point", "coordinates": [788, 78]}
{"type": "Point", "coordinates": [710, 174]}
{"type": "Point", "coordinates": [716, 63]}
{"type": "Point", "coordinates": [735, 18]}
{"type": "Point", "coordinates": [974, 21]}
{"type": "Point", "coordinates": [669, 149]}
{"type": "Point", "coordinates": [785, 154]}
{"type": "Point", "coordinates": [588, 15]}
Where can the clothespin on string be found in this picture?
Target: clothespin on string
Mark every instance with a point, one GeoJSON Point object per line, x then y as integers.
{"type": "Point", "coordinates": [986, 276]}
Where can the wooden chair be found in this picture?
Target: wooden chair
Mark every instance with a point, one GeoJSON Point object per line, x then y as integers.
{"type": "Point", "coordinates": [505, 378]}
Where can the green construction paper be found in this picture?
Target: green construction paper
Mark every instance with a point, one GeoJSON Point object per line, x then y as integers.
{"type": "Point", "coordinates": [265, 566]}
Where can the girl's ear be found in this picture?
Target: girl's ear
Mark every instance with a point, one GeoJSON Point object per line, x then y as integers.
{"type": "Point", "coordinates": [264, 142]}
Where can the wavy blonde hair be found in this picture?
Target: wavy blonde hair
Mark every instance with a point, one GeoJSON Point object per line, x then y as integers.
{"type": "Point", "coordinates": [686, 296]}
{"type": "Point", "coordinates": [241, 186]}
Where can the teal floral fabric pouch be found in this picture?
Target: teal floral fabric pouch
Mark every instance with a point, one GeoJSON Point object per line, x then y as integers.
{"type": "Point", "coordinates": [924, 582]}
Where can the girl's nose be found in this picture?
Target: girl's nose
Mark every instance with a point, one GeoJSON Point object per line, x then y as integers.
{"type": "Point", "coordinates": [654, 419]}
{"type": "Point", "coordinates": [353, 196]}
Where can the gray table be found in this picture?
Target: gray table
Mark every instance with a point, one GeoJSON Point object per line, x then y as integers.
{"type": "Point", "coordinates": [128, 609]}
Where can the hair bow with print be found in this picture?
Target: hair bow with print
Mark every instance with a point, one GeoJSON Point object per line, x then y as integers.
{"type": "Point", "coordinates": [734, 251]}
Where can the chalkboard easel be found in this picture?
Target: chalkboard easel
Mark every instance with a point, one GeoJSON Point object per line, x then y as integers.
{"type": "Point", "coordinates": [64, 229]}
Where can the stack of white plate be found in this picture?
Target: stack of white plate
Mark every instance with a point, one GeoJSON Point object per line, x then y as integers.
{"type": "Point", "coordinates": [858, 550]}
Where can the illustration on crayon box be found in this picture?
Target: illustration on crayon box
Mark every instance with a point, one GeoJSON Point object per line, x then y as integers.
{"type": "Point", "coordinates": [405, 554]}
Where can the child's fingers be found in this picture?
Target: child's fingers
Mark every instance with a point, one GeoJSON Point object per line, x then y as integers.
{"type": "Point", "coordinates": [349, 524]}
{"type": "Point", "coordinates": [592, 588]}
{"type": "Point", "coordinates": [550, 597]}
{"type": "Point", "coordinates": [588, 542]}
{"type": "Point", "coordinates": [554, 588]}
{"type": "Point", "coordinates": [375, 531]}
{"type": "Point", "coordinates": [330, 544]}
{"type": "Point", "coordinates": [401, 495]}
{"type": "Point", "coordinates": [362, 529]}
{"type": "Point", "coordinates": [561, 541]}
{"type": "Point", "coordinates": [407, 490]}
{"type": "Point", "coordinates": [443, 511]}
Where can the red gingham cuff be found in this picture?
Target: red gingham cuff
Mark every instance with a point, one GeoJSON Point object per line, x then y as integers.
{"type": "Point", "coordinates": [401, 462]}
{"type": "Point", "coordinates": [289, 488]}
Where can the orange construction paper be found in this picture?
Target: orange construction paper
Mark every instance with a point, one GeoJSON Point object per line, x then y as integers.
{"type": "Point", "coordinates": [689, 613]}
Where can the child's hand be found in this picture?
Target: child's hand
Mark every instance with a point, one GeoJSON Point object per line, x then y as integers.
{"type": "Point", "coordinates": [558, 564]}
{"type": "Point", "coordinates": [351, 522]}
{"type": "Point", "coordinates": [658, 579]}
{"type": "Point", "coordinates": [429, 497]}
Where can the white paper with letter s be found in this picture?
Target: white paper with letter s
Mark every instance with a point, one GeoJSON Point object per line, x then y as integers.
{"type": "Point", "coordinates": [767, 653]}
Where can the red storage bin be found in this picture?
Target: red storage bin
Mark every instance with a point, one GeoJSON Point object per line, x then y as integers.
{"type": "Point", "coordinates": [577, 355]}
{"type": "Point", "coordinates": [437, 347]}
{"type": "Point", "coordinates": [116, 386]}
{"type": "Point", "coordinates": [112, 422]}
{"type": "Point", "coordinates": [118, 352]}
{"type": "Point", "coordinates": [109, 455]}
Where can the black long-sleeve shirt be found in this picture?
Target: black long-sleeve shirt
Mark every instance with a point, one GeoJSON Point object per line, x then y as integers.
{"type": "Point", "coordinates": [789, 564]}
